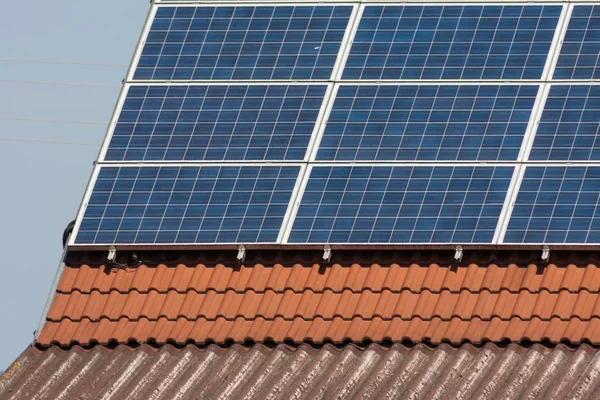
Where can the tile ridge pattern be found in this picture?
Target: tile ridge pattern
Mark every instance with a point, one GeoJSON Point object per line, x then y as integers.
{"type": "Point", "coordinates": [327, 305]}
{"type": "Point", "coordinates": [338, 330]}
{"type": "Point", "coordinates": [305, 372]}
{"type": "Point", "coordinates": [301, 277]}
{"type": "Point", "coordinates": [306, 301]}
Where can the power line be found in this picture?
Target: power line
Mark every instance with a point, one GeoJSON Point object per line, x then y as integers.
{"type": "Point", "coordinates": [58, 121]}
{"type": "Point", "coordinates": [15, 60]}
{"type": "Point", "coordinates": [59, 83]}
{"type": "Point", "coordinates": [48, 141]}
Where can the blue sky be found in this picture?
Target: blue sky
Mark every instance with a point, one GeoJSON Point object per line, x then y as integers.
{"type": "Point", "coordinates": [42, 184]}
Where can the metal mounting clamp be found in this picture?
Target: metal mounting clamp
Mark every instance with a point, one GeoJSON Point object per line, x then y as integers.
{"type": "Point", "coordinates": [112, 254]}
{"type": "Point", "coordinates": [545, 254]}
{"type": "Point", "coordinates": [458, 254]}
{"type": "Point", "coordinates": [327, 254]}
{"type": "Point", "coordinates": [241, 255]}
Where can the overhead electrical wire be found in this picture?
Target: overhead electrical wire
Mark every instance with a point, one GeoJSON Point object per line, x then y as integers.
{"type": "Point", "coordinates": [58, 121]}
{"type": "Point", "coordinates": [60, 142]}
{"type": "Point", "coordinates": [15, 60]}
{"type": "Point", "coordinates": [10, 139]}
{"type": "Point", "coordinates": [48, 141]}
{"type": "Point", "coordinates": [60, 83]}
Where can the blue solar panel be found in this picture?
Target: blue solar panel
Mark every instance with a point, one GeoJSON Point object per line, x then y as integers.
{"type": "Point", "coordinates": [220, 156]}
{"type": "Point", "coordinates": [238, 122]}
{"type": "Point", "coordinates": [557, 204]}
{"type": "Point", "coordinates": [580, 52]}
{"type": "Point", "coordinates": [447, 122]}
{"type": "Point", "coordinates": [570, 125]}
{"type": "Point", "coordinates": [452, 42]}
{"type": "Point", "coordinates": [403, 204]}
{"type": "Point", "coordinates": [209, 204]}
{"type": "Point", "coordinates": [243, 42]}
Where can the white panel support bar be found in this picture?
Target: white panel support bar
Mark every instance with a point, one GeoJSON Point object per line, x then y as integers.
{"type": "Point", "coordinates": [321, 122]}
{"type": "Point", "coordinates": [534, 121]}
{"type": "Point", "coordinates": [347, 42]}
{"type": "Point", "coordinates": [295, 200]}
{"type": "Point", "coordinates": [509, 202]}
{"type": "Point", "coordinates": [557, 40]}
{"type": "Point", "coordinates": [326, 112]}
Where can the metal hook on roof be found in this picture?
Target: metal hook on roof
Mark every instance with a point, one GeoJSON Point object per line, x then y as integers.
{"type": "Point", "coordinates": [327, 254]}
{"type": "Point", "coordinates": [241, 255]}
{"type": "Point", "coordinates": [545, 254]}
{"type": "Point", "coordinates": [458, 254]}
{"type": "Point", "coordinates": [112, 255]}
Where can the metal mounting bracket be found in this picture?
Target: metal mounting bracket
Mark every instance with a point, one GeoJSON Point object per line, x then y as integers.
{"type": "Point", "coordinates": [458, 254]}
{"type": "Point", "coordinates": [327, 254]}
{"type": "Point", "coordinates": [545, 254]}
{"type": "Point", "coordinates": [112, 254]}
{"type": "Point", "coordinates": [241, 255]}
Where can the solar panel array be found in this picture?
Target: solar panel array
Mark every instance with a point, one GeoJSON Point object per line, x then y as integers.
{"type": "Point", "coordinates": [354, 123]}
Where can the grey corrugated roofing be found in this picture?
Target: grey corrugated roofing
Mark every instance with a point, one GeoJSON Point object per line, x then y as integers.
{"type": "Point", "coordinates": [305, 372]}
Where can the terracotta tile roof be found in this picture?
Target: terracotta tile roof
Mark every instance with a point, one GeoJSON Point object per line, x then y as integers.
{"type": "Point", "coordinates": [397, 298]}
{"type": "Point", "coordinates": [304, 372]}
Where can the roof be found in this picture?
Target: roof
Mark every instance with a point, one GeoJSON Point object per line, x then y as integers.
{"type": "Point", "coordinates": [304, 372]}
{"type": "Point", "coordinates": [292, 296]}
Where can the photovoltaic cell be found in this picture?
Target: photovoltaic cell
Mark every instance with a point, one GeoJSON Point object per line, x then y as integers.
{"type": "Point", "coordinates": [450, 122]}
{"type": "Point", "coordinates": [216, 122]}
{"type": "Point", "coordinates": [570, 125]}
{"type": "Point", "coordinates": [243, 42]}
{"type": "Point", "coordinates": [208, 204]}
{"type": "Point", "coordinates": [580, 52]}
{"type": "Point", "coordinates": [557, 204]}
{"type": "Point", "coordinates": [452, 42]}
{"type": "Point", "coordinates": [402, 204]}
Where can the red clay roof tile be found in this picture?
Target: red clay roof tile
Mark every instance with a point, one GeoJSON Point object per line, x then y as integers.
{"type": "Point", "coordinates": [278, 278]}
{"type": "Point", "coordinates": [306, 301]}
{"type": "Point", "coordinates": [318, 330]}
{"type": "Point", "coordinates": [591, 278]}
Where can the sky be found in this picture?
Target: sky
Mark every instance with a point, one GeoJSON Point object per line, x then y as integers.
{"type": "Point", "coordinates": [42, 184]}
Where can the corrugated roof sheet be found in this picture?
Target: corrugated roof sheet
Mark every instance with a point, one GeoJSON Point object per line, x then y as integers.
{"type": "Point", "coordinates": [292, 296]}
{"type": "Point", "coordinates": [260, 372]}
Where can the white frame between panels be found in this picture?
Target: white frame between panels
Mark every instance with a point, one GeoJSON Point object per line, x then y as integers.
{"type": "Point", "coordinates": [544, 84]}
{"type": "Point", "coordinates": [534, 122]}
{"type": "Point", "coordinates": [536, 115]}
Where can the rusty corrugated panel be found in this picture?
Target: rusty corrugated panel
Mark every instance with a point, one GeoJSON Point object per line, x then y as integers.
{"type": "Point", "coordinates": [291, 296]}
{"type": "Point", "coordinates": [304, 372]}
